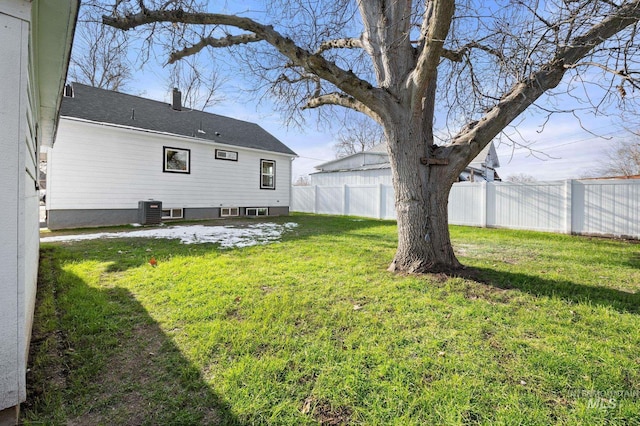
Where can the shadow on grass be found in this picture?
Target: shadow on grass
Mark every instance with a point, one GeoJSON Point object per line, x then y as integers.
{"type": "Point", "coordinates": [634, 261]}
{"type": "Point", "coordinates": [97, 357]}
{"type": "Point", "coordinates": [619, 300]}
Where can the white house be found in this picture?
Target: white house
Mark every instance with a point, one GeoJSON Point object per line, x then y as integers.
{"type": "Point", "coordinates": [372, 167]}
{"type": "Point", "coordinates": [36, 42]}
{"type": "Point", "coordinates": [115, 150]}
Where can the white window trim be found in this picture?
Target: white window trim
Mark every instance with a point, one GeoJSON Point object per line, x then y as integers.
{"type": "Point", "coordinates": [257, 211]}
{"type": "Point", "coordinates": [174, 213]}
{"type": "Point", "coordinates": [230, 211]}
{"type": "Point", "coordinates": [273, 176]}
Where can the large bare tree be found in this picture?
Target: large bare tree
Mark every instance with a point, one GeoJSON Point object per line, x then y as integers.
{"type": "Point", "coordinates": [482, 62]}
{"type": "Point", "coordinates": [621, 159]}
{"type": "Point", "coordinates": [99, 56]}
{"type": "Point", "coordinates": [357, 135]}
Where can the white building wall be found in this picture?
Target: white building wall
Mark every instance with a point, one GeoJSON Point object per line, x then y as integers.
{"type": "Point", "coordinates": [12, 34]}
{"type": "Point", "coordinates": [95, 166]}
{"type": "Point", "coordinates": [19, 223]}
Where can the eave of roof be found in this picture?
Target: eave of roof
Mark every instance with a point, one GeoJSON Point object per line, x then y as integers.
{"type": "Point", "coordinates": [380, 166]}
{"type": "Point", "coordinates": [52, 37]}
{"type": "Point", "coordinates": [357, 154]}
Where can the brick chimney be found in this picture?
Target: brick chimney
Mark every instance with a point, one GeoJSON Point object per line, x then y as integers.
{"type": "Point", "coordinates": [177, 100]}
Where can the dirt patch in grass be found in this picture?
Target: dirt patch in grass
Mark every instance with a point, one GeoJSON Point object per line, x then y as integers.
{"type": "Point", "coordinates": [326, 414]}
{"type": "Point", "coordinates": [144, 382]}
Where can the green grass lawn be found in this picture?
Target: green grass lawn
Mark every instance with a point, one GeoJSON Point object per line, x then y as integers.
{"type": "Point", "coordinates": [314, 330]}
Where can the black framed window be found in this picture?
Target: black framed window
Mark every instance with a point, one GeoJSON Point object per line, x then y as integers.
{"type": "Point", "coordinates": [267, 174]}
{"type": "Point", "coordinates": [226, 155]}
{"type": "Point", "coordinates": [176, 160]}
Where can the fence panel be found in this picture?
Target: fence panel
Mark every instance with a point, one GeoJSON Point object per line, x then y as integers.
{"type": "Point", "coordinates": [534, 206]}
{"type": "Point", "coordinates": [466, 204]}
{"type": "Point", "coordinates": [387, 202]}
{"type": "Point", "coordinates": [303, 199]}
{"type": "Point", "coordinates": [362, 200]}
{"type": "Point", "coordinates": [330, 199]}
{"type": "Point", "coordinates": [594, 207]}
{"type": "Point", "coordinates": [606, 207]}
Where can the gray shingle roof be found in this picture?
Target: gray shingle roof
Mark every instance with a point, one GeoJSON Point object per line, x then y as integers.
{"type": "Point", "coordinates": [106, 106]}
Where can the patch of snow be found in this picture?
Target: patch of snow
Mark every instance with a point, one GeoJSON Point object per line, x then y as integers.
{"type": "Point", "coordinates": [226, 236]}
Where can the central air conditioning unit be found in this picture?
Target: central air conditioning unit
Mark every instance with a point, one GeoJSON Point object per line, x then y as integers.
{"type": "Point", "coordinates": [150, 212]}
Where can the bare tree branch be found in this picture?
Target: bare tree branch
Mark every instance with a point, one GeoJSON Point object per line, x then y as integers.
{"type": "Point", "coordinates": [340, 99]}
{"type": "Point", "coordinates": [459, 54]}
{"type": "Point", "coordinates": [525, 93]}
{"type": "Point", "coordinates": [358, 135]}
{"type": "Point", "coordinates": [342, 43]}
{"type": "Point", "coordinates": [433, 33]}
{"type": "Point", "coordinates": [345, 80]}
{"type": "Point", "coordinates": [213, 42]}
{"type": "Point", "coordinates": [622, 159]}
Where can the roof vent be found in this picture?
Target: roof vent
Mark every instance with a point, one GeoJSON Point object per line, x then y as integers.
{"type": "Point", "coordinates": [177, 100]}
{"type": "Point", "coordinates": [68, 91]}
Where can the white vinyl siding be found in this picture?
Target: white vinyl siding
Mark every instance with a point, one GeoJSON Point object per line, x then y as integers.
{"type": "Point", "coordinates": [19, 222]}
{"type": "Point", "coordinates": [360, 177]}
{"type": "Point", "coordinates": [96, 166]}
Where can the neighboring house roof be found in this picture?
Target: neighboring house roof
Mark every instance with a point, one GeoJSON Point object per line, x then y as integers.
{"type": "Point", "coordinates": [377, 158]}
{"type": "Point", "coordinates": [613, 177]}
{"type": "Point", "coordinates": [376, 155]}
{"type": "Point", "coordinates": [381, 147]}
{"type": "Point", "coordinates": [109, 107]}
{"type": "Point", "coordinates": [488, 157]}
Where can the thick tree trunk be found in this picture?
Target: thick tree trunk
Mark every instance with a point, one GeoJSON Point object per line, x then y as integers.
{"type": "Point", "coordinates": [421, 194]}
{"type": "Point", "coordinates": [424, 244]}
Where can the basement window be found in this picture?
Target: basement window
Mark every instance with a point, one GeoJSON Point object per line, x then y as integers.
{"type": "Point", "coordinates": [229, 211]}
{"type": "Point", "coordinates": [172, 213]}
{"type": "Point", "coordinates": [257, 211]}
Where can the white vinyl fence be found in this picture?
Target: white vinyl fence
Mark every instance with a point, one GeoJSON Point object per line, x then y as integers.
{"type": "Point", "coordinates": [588, 207]}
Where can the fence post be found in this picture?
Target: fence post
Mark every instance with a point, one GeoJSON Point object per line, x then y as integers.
{"type": "Point", "coordinates": [315, 199]}
{"type": "Point", "coordinates": [380, 189]}
{"type": "Point", "coordinates": [483, 204]}
{"type": "Point", "coordinates": [345, 201]}
{"type": "Point", "coordinates": [568, 206]}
